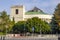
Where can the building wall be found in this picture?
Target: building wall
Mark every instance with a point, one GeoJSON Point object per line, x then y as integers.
{"type": "Point", "coordinates": [19, 16]}
{"type": "Point", "coordinates": [43, 17]}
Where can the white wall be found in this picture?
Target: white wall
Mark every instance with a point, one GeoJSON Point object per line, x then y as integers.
{"type": "Point", "coordinates": [40, 16]}
{"type": "Point", "coordinates": [20, 15]}
{"type": "Point", "coordinates": [44, 17]}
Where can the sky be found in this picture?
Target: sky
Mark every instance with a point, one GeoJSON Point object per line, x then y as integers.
{"type": "Point", "coordinates": [47, 6]}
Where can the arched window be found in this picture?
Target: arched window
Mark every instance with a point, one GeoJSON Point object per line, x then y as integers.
{"type": "Point", "coordinates": [16, 11]}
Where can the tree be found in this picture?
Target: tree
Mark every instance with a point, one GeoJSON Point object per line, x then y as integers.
{"type": "Point", "coordinates": [5, 22]}
{"type": "Point", "coordinates": [19, 27]}
{"type": "Point", "coordinates": [34, 24]}
{"type": "Point", "coordinates": [56, 19]}
{"type": "Point", "coordinates": [38, 25]}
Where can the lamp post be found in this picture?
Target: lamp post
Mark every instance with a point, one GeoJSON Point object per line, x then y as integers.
{"type": "Point", "coordinates": [6, 29]}
{"type": "Point", "coordinates": [24, 30]}
{"type": "Point", "coordinates": [40, 29]}
{"type": "Point", "coordinates": [32, 29]}
{"type": "Point", "coordinates": [3, 38]}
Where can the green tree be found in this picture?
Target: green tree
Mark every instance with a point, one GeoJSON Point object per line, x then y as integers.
{"type": "Point", "coordinates": [56, 19]}
{"type": "Point", "coordinates": [19, 27]}
{"type": "Point", "coordinates": [5, 22]}
{"type": "Point", "coordinates": [34, 24]}
{"type": "Point", "coordinates": [38, 25]}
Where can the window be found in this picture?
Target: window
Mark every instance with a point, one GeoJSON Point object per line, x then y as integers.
{"type": "Point", "coordinates": [16, 11]}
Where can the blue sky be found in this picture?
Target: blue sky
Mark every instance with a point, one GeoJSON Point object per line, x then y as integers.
{"type": "Point", "coordinates": [48, 6]}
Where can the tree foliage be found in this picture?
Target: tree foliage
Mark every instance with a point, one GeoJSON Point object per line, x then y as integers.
{"type": "Point", "coordinates": [56, 19]}
{"type": "Point", "coordinates": [38, 25]}
{"type": "Point", "coordinates": [31, 23]}
{"type": "Point", "coordinates": [19, 27]}
{"type": "Point", "coordinates": [5, 22]}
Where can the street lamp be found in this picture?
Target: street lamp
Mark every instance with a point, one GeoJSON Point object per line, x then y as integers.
{"type": "Point", "coordinates": [40, 30]}
{"type": "Point", "coordinates": [6, 29]}
{"type": "Point", "coordinates": [33, 29]}
{"type": "Point", "coordinates": [3, 38]}
{"type": "Point", "coordinates": [24, 30]}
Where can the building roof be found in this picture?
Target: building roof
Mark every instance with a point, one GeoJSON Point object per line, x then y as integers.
{"type": "Point", "coordinates": [34, 11]}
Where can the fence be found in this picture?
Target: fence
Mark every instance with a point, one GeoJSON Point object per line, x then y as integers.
{"type": "Point", "coordinates": [39, 37]}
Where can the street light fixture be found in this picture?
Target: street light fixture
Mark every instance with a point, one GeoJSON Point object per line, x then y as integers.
{"type": "Point", "coordinates": [6, 29]}
{"type": "Point", "coordinates": [40, 30]}
{"type": "Point", "coordinates": [24, 30]}
{"type": "Point", "coordinates": [33, 29]}
{"type": "Point", "coordinates": [3, 38]}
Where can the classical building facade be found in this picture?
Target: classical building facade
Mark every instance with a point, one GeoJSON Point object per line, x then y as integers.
{"type": "Point", "coordinates": [19, 14]}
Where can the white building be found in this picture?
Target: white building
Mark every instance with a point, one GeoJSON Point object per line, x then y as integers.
{"type": "Point", "coordinates": [19, 14]}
